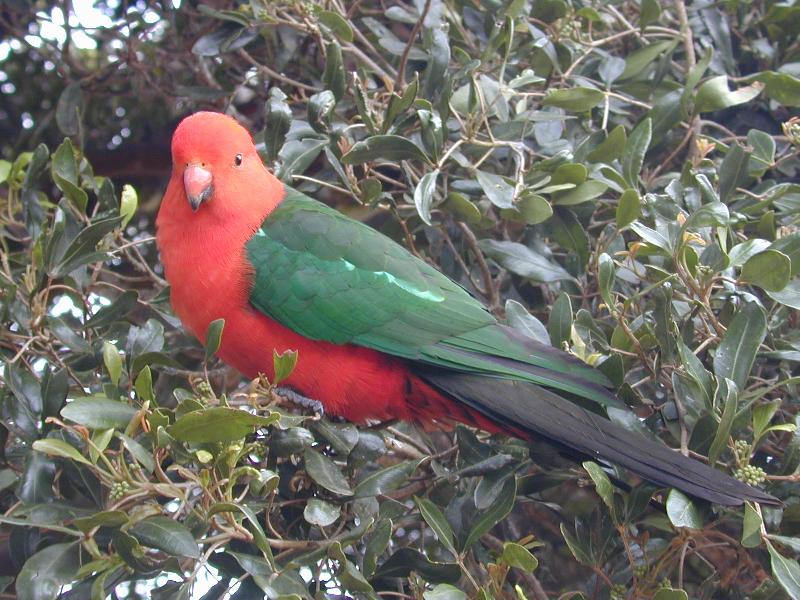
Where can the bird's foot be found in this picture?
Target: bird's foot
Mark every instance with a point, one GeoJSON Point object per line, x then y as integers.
{"type": "Point", "coordinates": [299, 399]}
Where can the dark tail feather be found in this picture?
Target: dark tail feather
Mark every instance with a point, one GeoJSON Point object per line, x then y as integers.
{"type": "Point", "coordinates": [523, 406]}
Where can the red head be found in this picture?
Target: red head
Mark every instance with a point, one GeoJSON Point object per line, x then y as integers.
{"type": "Point", "coordinates": [217, 175]}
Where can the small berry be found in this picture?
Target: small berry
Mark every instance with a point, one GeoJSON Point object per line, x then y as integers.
{"type": "Point", "coordinates": [751, 475]}
{"type": "Point", "coordinates": [119, 490]}
{"type": "Point", "coordinates": [742, 449]}
{"type": "Point", "coordinates": [618, 592]}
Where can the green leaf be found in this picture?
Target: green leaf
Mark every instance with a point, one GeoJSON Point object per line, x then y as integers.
{"type": "Point", "coordinates": [81, 250]}
{"type": "Point", "coordinates": [496, 188]}
{"type": "Point", "coordinates": [602, 483]}
{"type": "Point", "coordinates": [406, 560]}
{"type": "Point", "coordinates": [36, 484]}
{"type": "Point", "coordinates": [629, 208]}
{"type": "Point", "coordinates": [107, 518]}
{"type": "Point", "coordinates": [336, 24]}
{"type": "Point", "coordinates": [376, 543]}
{"type": "Point", "coordinates": [515, 555]}
{"type": "Point", "coordinates": [144, 385]}
{"type": "Point", "coordinates": [579, 99]}
{"type": "Point", "coordinates": [444, 591]}
{"type": "Point", "coordinates": [166, 534]}
{"type": "Point", "coordinates": [387, 147]}
{"type": "Point", "coordinates": [763, 154]}
{"type": "Point", "coordinates": [523, 261]}
{"type": "Point", "coordinates": [461, 207]}
{"type": "Point", "coordinates": [737, 351]}
{"type": "Point", "coordinates": [607, 275]}
{"type": "Point", "coordinates": [581, 553]}
{"type": "Point", "coordinates": [142, 455]}
{"type": "Point", "coordinates": [727, 396]}
{"type": "Point", "coordinates": [791, 542]}
{"type": "Point", "coordinates": [714, 94]}
{"type": "Point", "coordinates": [114, 311]}
{"type": "Point", "coordinates": [781, 87]}
{"type": "Point", "coordinates": [65, 174]}
{"type": "Point", "coordinates": [386, 479]}
{"type": "Point", "coordinates": [786, 571]}
{"type": "Point", "coordinates": [762, 415]}
{"type": "Point", "coordinates": [321, 513]}
{"type": "Point", "coordinates": [283, 364]}
{"type": "Point", "coordinates": [99, 413]}
{"type": "Point", "coordinates": [560, 322]}
{"type": "Point", "coordinates": [334, 77]}
{"type": "Point", "coordinates": [611, 148]}
{"type": "Point", "coordinates": [423, 195]}
{"type": "Point", "coordinates": [218, 424]}
{"type": "Point", "coordinates": [320, 109]}
{"type": "Point", "coordinates": [259, 537]}
{"type": "Point", "coordinates": [499, 510]}
{"type": "Point", "coordinates": [113, 362]}
{"type": "Point", "coordinates": [520, 319]}
{"type": "Point", "coordinates": [5, 170]}
{"type": "Point", "coordinates": [213, 337]}
{"type": "Point", "coordinates": [325, 473]}
{"type": "Point", "coordinates": [45, 572]}
{"type": "Point", "coordinates": [682, 512]}
{"type": "Point", "coordinates": [649, 12]}
{"type": "Point", "coordinates": [635, 150]}
{"type": "Point", "coordinates": [638, 60]}
{"type": "Point", "coordinates": [296, 156]}
{"type": "Point", "coordinates": [733, 171]}
{"type": "Point", "coordinates": [589, 190]}
{"type": "Point", "coordinates": [669, 593]}
{"type": "Point", "coordinates": [53, 390]}
{"type": "Point", "coordinates": [751, 527]}
{"type": "Point", "coordinates": [770, 270]}
{"type": "Point", "coordinates": [789, 296]}
{"type": "Point", "coordinates": [56, 447]}
{"type": "Point", "coordinates": [398, 104]}
{"type": "Point", "coordinates": [68, 109]}
{"type": "Point", "coordinates": [435, 518]}
{"type": "Point", "coordinates": [533, 208]}
{"type": "Point", "coordinates": [128, 203]}
{"type": "Point", "coordinates": [286, 584]}
{"type": "Point", "coordinates": [278, 116]}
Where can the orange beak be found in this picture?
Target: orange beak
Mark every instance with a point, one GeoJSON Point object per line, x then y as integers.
{"type": "Point", "coordinates": [198, 183]}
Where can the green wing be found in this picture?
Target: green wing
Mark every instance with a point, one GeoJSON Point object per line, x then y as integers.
{"type": "Point", "coordinates": [329, 277]}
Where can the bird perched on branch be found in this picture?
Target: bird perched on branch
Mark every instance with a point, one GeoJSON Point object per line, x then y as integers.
{"type": "Point", "coordinates": [380, 333]}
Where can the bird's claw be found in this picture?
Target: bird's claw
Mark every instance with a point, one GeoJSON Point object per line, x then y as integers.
{"type": "Point", "coordinates": [299, 399]}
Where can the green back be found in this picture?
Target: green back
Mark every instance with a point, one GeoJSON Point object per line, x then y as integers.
{"type": "Point", "coordinates": [330, 277]}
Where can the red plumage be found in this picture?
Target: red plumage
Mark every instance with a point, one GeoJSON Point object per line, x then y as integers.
{"type": "Point", "coordinates": [203, 253]}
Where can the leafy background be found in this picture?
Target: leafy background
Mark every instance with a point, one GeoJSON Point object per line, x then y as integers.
{"type": "Point", "coordinates": [619, 179]}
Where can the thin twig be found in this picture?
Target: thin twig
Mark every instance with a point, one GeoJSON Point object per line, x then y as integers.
{"type": "Point", "coordinates": [401, 70]}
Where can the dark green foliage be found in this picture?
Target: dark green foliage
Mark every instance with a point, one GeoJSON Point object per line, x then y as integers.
{"type": "Point", "coordinates": [623, 172]}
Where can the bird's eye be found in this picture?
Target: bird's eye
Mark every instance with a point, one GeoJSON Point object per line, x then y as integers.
{"type": "Point", "coordinates": [237, 161]}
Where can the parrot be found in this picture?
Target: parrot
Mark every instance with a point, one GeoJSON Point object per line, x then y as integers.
{"type": "Point", "coordinates": [380, 334]}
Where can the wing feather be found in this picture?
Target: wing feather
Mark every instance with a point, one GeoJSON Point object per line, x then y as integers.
{"type": "Point", "coordinates": [332, 278]}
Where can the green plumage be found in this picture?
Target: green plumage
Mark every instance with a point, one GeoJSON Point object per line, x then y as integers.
{"type": "Point", "coordinates": [329, 277]}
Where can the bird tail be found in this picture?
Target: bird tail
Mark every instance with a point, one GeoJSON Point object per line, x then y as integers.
{"type": "Point", "coordinates": [521, 406]}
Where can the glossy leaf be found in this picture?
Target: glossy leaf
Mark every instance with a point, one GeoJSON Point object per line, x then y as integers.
{"type": "Point", "coordinates": [217, 424]}
{"type": "Point", "coordinates": [682, 512]}
{"type": "Point", "coordinates": [99, 413]}
{"type": "Point", "coordinates": [386, 147]}
{"type": "Point", "coordinates": [737, 351]}
{"type": "Point", "coordinates": [325, 473]}
{"type": "Point", "coordinates": [166, 534]}
{"type": "Point", "coordinates": [715, 94]}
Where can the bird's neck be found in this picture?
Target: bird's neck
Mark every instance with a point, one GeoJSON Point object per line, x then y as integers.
{"type": "Point", "coordinates": [203, 252]}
